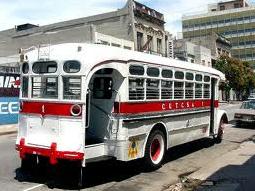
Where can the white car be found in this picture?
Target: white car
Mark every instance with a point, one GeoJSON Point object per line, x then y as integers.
{"type": "Point", "coordinates": [246, 113]}
{"type": "Point", "coordinates": [252, 96]}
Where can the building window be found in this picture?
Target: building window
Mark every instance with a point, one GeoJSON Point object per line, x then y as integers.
{"type": "Point", "coordinates": [159, 46]}
{"type": "Point", "coordinates": [115, 45]}
{"type": "Point", "coordinates": [139, 41]}
{"type": "Point", "coordinates": [127, 47]}
{"type": "Point", "coordinates": [236, 5]}
{"type": "Point", "coordinates": [222, 7]}
{"type": "Point", "coordinates": [149, 43]}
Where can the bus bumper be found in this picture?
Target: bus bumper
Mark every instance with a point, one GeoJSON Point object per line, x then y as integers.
{"type": "Point", "coordinates": [52, 153]}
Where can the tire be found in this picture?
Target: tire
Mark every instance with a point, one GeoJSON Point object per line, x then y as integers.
{"type": "Point", "coordinates": [29, 163]}
{"type": "Point", "coordinates": [155, 150]}
{"type": "Point", "coordinates": [238, 124]}
{"type": "Point", "coordinates": [219, 137]}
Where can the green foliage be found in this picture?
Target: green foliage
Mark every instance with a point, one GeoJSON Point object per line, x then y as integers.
{"type": "Point", "coordinates": [239, 75]}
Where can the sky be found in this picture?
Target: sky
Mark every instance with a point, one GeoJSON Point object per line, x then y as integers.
{"type": "Point", "coordinates": [43, 12]}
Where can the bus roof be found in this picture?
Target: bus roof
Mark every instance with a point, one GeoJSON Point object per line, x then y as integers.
{"type": "Point", "coordinates": [96, 53]}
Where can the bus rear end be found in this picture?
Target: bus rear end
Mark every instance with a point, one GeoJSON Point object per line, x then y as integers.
{"type": "Point", "coordinates": [51, 120]}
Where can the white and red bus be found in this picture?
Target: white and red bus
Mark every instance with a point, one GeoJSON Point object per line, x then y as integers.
{"type": "Point", "coordinates": [86, 102]}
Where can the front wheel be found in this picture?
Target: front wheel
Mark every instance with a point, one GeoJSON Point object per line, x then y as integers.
{"type": "Point", "coordinates": [219, 137]}
{"type": "Point", "coordinates": [155, 150]}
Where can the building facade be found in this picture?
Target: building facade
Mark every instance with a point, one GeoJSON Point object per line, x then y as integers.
{"type": "Point", "coordinates": [218, 45]}
{"type": "Point", "coordinates": [135, 27]}
{"type": "Point", "coordinates": [234, 20]}
{"type": "Point", "coordinates": [188, 51]}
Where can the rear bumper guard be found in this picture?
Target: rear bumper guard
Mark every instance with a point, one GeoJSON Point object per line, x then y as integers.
{"type": "Point", "coordinates": [51, 152]}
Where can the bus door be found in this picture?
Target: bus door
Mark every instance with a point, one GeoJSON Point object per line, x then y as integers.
{"type": "Point", "coordinates": [212, 105]}
{"type": "Point", "coordinates": [104, 90]}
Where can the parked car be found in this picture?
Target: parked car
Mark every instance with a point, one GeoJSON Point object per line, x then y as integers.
{"type": "Point", "coordinates": [251, 96]}
{"type": "Point", "coordinates": [246, 113]}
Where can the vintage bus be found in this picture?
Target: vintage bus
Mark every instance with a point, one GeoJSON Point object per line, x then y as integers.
{"type": "Point", "coordinates": [88, 102]}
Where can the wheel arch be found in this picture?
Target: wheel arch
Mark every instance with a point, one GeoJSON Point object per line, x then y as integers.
{"type": "Point", "coordinates": [157, 126]}
{"type": "Point", "coordinates": [222, 114]}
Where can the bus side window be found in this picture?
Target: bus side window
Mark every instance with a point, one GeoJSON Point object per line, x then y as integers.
{"type": "Point", "coordinates": [136, 89]}
{"type": "Point", "coordinates": [102, 88]}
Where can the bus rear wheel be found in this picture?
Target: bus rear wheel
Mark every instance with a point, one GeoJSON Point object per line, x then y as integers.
{"type": "Point", "coordinates": [155, 150]}
{"type": "Point", "coordinates": [29, 162]}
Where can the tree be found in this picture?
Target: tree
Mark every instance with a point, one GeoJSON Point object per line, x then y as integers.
{"type": "Point", "coordinates": [239, 75]}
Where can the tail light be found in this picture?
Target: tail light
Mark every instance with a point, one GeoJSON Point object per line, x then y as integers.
{"type": "Point", "coordinates": [75, 110]}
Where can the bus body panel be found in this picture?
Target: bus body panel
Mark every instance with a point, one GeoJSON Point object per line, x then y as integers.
{"type": "Point", "coordinates": [112, 124]}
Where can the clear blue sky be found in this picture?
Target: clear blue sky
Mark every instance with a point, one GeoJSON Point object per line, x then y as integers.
{"type": "Point", "coordinates": [16, 12]}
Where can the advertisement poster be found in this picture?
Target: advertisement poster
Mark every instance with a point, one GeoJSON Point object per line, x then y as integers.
{"type": "Point", "coordinates": [9, 98]}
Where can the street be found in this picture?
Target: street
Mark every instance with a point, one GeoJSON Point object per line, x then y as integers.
{"type": "Point", "coordinates": [186, 161]}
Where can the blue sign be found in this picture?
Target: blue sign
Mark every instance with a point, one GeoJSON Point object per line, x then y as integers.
{"type": "Point", "coordinates": [9, 97]}
{"type": "Point", "coordinates": [9, 109]}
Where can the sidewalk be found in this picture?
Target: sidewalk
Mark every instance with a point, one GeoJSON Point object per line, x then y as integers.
{"type": "Point", "coordinates": [8, 129]}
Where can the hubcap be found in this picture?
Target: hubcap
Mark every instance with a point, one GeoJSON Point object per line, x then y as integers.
{"type": "Point", "coordinates": [157, 149]}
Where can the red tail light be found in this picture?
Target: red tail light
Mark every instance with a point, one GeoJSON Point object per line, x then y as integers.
{"type": "Point", "coordinates": [75, 110]}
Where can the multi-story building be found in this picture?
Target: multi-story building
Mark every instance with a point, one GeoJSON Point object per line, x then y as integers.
{"type": "Point", "coordinates": [188, 51]}
{"type": "Point", "coordinates": [218, 45]}
{"type": "Point", "coordinates": [235, 20]}
{"type": "Point", "coordinates": [135, 26]}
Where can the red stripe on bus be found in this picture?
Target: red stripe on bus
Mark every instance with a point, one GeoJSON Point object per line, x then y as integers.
{"type": "Point", "coordinates": [144, 107]}
{"type": "Point", "coordinates": [43, 108]}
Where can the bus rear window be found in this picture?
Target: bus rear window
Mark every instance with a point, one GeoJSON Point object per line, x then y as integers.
{"type": "Point", "coordinates": [72, 66]}
{"type": "Point", "coordinates": [44, 67]}
{"type": "Point", "coordinates": [45, 87]}
{"type": "Point", "coordinates": [72, 88]}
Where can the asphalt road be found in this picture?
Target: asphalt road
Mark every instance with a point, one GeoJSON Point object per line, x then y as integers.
{"type": "Point", "coordinates": [111, 175]}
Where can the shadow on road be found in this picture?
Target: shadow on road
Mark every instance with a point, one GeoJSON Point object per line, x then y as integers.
{"type": "Point", "coordinates": [233, 177]}
{"type": "Point", "coordinates": [65, 176]}
{"type": "Point", "coordinates": [243, 125]}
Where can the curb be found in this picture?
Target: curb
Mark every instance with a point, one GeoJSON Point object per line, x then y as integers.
{"type": "Point", "coordinates": [8, 129]}
{"type": "Point", "coordinates": [8, 132]}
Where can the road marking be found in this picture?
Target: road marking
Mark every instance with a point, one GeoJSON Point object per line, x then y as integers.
{"type": "Point", "coordinates": [34, 187]}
